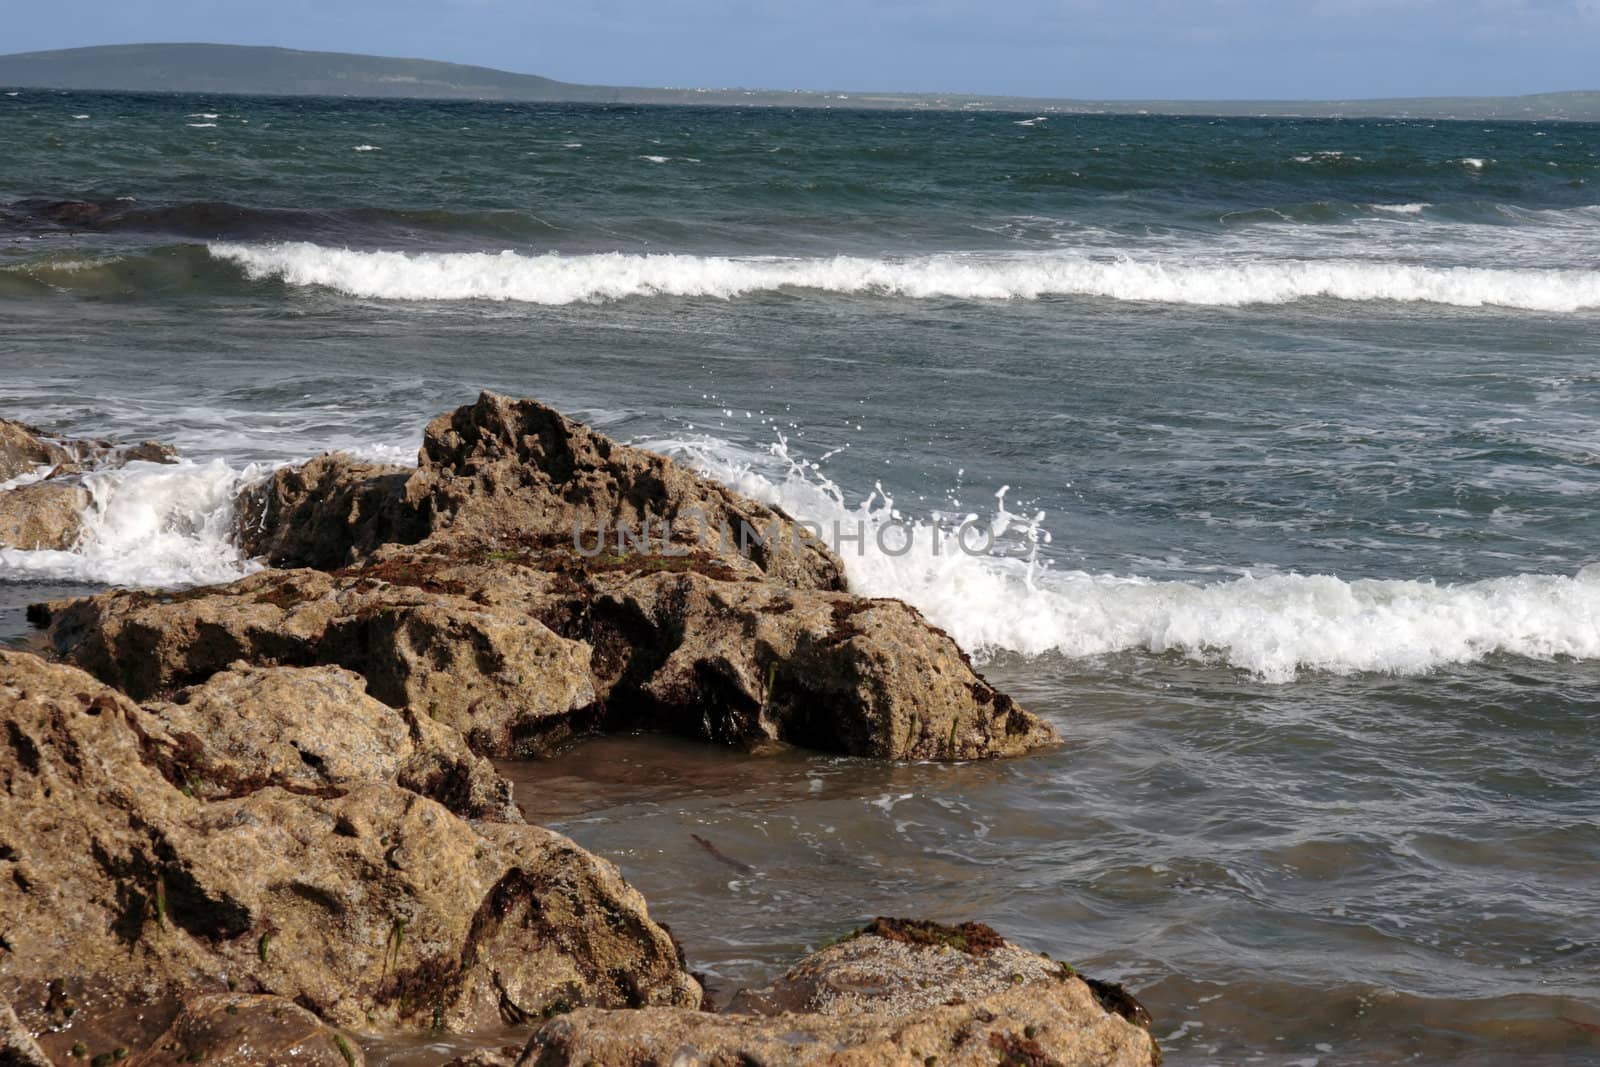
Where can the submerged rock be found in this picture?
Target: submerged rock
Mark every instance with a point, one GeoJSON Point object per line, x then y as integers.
{"type": "Point", "coordinates": [235, 1030]}
{"type": "Point", "coordinates": [25, 449]}
{"type": "Point", "coordinates": [897, 993]}
{"type": "Point", "coordinates": [123, 880]}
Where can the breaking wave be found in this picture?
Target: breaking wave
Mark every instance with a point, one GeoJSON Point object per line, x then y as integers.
{"type": "Point", "coordinates": [553, 278]}
{"type": "Point", "coordinates": [149, 524]}
{"type": "Point", "coordinates": [1276, 627]}
{"type": "Point", "coordinates": [173, 525]}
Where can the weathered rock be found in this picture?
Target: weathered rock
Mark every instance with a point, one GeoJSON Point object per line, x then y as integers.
{"type": "Point", "coordinates": [46, 514]}
{"type": "Point", "coordinates": [519, 470]}
{"type": "Point", "coordinates": [364, 902]}
{"type": "Point", "coordinates": [24, 448]}
{"type": "Point", "coordinates": [521, 651]}
{"type": "Point", "coordinates": [326, 513]}
{"type": "Point", "coordinates": [500, 676]}
{"type": "Point", "coordinates": [516, 474]}
{"type": "Point", "coordinates": [237, 1030]}
{"type": "Point", "coordinates": [899, 993]}
{"type": "Point", "coordinates": [312, 730]}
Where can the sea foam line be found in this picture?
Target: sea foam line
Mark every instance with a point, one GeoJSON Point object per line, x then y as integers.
{"type": "Point", "coordinates": [565, 279]}
{"type": "Point", "coordinates": [173, 525]}
{"type": "Point", "coordinates": [1276, 627]}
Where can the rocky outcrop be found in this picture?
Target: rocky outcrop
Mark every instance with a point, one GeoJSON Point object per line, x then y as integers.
{"type": "Point", "coordinates": [25, 449]}
{"type": "Point", "coordinates": [520, 651]}
{"type": "Point", "coordinates": [518, 476]}
{"type": "Point", "coordinates": [235, 1030]}
{"type": "Point", "coordinates": [898, 993]}
{"type": "Point", "coordinates": [127, 878]}
{"type": "Point", "coordinates": [326, 513]}
{"type": "Point", "coordinates": [491, 591]}
{"type": "Point", "coordinates": [313, 730]}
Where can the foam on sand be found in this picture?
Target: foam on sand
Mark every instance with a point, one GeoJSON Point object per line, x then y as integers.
{"type": "Point", "coordinates": [564, 279]}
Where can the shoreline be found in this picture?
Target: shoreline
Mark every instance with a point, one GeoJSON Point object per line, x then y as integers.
{"type": "Point", "coordinates": [443, 593]}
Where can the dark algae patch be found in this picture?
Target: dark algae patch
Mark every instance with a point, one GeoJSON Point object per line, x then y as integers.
{"type": "Point", "coordinates": [975, 939]}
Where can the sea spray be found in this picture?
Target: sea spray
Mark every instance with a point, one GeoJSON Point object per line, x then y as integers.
{"type": "Point", "coordinates": [1278, 627]}
{"type": "Point", "coordinates": [149, 524]}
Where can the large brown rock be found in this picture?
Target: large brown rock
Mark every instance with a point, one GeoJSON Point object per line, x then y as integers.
{"type": "Point", "coordinates": [519, 620]}
{"type": "Point", "coordinates": [122, 882]}
{"type": "Point", "coordinates": [901, 994]}
{"type": "Point", "coordinates": [326, 513]}
{"type": "Point", "coordinates": [516, 474]}
{"type": "Point", "coordinates": [313, 731]}
{"type": "Point", "coordinates": [498, 675]}
{"type": "Point", "coordinates": [45, 514]}
{"type": "Point", "coordinates": [523, 650]}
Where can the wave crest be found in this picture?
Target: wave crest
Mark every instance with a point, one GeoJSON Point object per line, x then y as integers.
{"type": "Point", "coordinates": [552, 278]}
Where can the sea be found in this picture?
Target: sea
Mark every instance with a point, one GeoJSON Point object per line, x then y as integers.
{"type": "Point", "coordinates": [1283, 436]}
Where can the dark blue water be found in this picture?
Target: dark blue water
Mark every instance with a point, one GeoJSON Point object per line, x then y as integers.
{"type": "Point", "coordinates": [1296, 424]}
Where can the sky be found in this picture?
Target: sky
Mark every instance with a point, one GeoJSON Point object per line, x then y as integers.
{"type": "Point", "coordinates": [1097, 49]}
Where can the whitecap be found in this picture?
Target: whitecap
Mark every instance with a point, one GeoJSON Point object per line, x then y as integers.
{"type": "Point", "coordinates": [1277, 627]}
{"type": "Point", "coordinates": [553, 278]}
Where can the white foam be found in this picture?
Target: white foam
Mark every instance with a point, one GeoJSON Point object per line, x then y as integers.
{"type": "Point", "coordinates": [201, 125]}
{"type": "Point", "coordinates": [1474, 164]}
{"type": "Point", "coordinates": [203, 115]}
{"type": "Point", "coordinates": [27, 477]}
{"type": "Point", "coordinates": [1402, 209]}
{"type": "Point", "coordinates": [149, 524]}
{"type": "Point", "coordinates": [80, 116]}
{"type": "Point", "coordinates": [557, 279]}
{"type": "Point", "coordinates": [656, 159]}
{"type": "Point", "coordinates": [366, 148]}
{"type": "Point", "coordinates": [1276, 627]}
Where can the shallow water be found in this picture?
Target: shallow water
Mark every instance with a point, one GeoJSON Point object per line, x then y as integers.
{"type": "Point", "coordinates": [1287, 431]}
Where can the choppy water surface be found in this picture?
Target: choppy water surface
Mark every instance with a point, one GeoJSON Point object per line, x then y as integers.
{"type": "Point", "coordinates": [1288, 431]}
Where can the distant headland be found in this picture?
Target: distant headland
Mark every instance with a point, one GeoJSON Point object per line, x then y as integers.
{"type": "Point", "coordinates": [252, 70]}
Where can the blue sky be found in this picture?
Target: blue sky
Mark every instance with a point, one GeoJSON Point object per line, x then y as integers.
{"type": "Point", "coordinates": [1083, 48]}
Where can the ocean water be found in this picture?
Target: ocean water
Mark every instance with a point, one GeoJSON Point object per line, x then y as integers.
{"type": "Point", "coordinates": [1288, 433]}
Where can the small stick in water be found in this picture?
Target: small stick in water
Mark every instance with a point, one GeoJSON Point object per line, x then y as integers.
{"type": "Point", "coordinates": [721, 857]}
